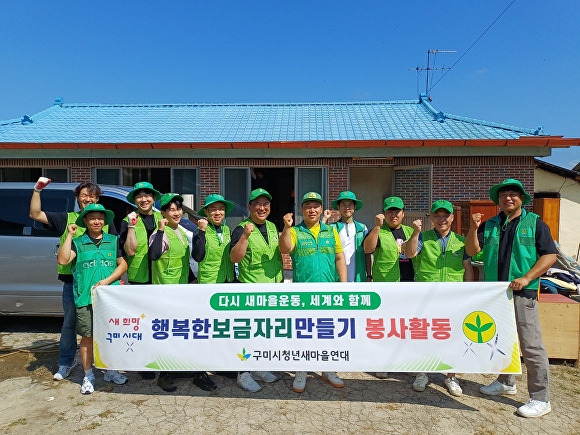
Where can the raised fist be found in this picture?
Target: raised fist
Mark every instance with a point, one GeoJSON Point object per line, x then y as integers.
{"type": "Point", "coordinates": [475, 221]}
{"type": "Point", "coordinates": [379, 220]}
{"type": "Point", "coordinates": [133, 217]}
{"type": "Point", "coordinates": [72, 229]}
{"type": "Point", "coordinates": [202, 224]}
{"type": "Point", "coordinates": [417, 225]}
{"type": "Point", "coordinates": [288, 220]}
{"type": "Point", "coordinates": [161, 224]}
{"type": "Point", "coordinates": [248, 228]}
{"type": "Point", "coordinates": [41, 183]}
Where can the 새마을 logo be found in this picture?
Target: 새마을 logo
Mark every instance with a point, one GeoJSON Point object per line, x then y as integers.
{"type": "Point", "coordinates": [479, 327]}
{"type": "Point", "coordinates": [244, 356]}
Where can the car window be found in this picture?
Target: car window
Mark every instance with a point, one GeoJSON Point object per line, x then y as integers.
{"type": "Point", "coordinates": [15, 219]}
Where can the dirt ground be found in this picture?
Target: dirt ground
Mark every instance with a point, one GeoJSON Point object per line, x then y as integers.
{"type": "Point", "coordinates": [31, 402]}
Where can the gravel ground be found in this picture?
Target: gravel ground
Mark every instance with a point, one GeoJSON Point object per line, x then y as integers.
{"type": "Point", "coordinates": [31, 402]}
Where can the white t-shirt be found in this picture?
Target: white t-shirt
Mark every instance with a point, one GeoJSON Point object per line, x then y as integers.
{"type": "Point", "coordinates": [348, 239]}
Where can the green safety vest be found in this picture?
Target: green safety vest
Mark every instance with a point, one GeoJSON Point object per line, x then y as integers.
{"type": "Point", "coordinates": [314, 261]}
{"type": "Point", "coordinates": [173, 265]}
{"type": "Point", "coordinates": [359, 253]}
{"type": "Point", "coordinates": [138, 270]}
{"type": "Point", "coordinates": [386, 256]}
{"type": "Point", "coordinates": [71, 218]}
{"type": "Point", "coordinates": [262, 261]}
{"type": "Point", "coordinates": [524, 252]}
{"type": "Point", "coordinates": [92, 264]}
{"type": "Point", "coordinates": [433, 265]}
{"type": "Point", "coordinates": [216, 266]}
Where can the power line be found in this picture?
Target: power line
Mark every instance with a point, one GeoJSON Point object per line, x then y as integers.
{"type": "Point", "coordinates": [471, 46]}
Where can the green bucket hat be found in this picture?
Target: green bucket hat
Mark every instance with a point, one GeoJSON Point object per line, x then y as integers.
{"type": "Point", "coordinates": [256, 193]}
{"type": "Point", "coordinates": [166, 199]}
{"type": "Point", "coordinates": [348, 195]}
{"type": "Point", "coordinates": [311, 196]}
{"type": "Point", "coordinates": [216, 197]}
{"type": "Point", "coordinates": [143, 185]}
{"type": "Point", "coordinates": [508, 182]}
{"type": "Point", "coordinates": [442, 203]}
{"type": "Point", "coordinates": [393, 202]}
{"type": "Point", "coordinates": [109, 215]}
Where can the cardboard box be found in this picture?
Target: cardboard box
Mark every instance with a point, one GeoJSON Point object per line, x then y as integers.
{"type": "Point", "coordinates": [560, 323]}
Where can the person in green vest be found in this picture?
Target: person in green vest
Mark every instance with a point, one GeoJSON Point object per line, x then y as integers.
{"type": "Point", "coordinates": [85, 194]}
{"type": "Point", "coordinates": [352, 234]}
{"type": "Point", "coordinates": [211, 246]}
{"type": "Point", "coordinates": [136, 228]}
{"type": "Point", "coordinates": [317, 256]}
{"type": "Point", "coordinates": [518, 248]}
{"type": "Point", "coordinates": [211, 242]}
{"type": "Point", "coordinates": [254, 246]}
{"type": "Point", "coordinates": [440, 257]}
{"type": "Point", "coordinates": [169, 254]}
{"type": "Point", "coordinates": [384, 241]}
{"type": "Point", "coordinates": [95, 260]}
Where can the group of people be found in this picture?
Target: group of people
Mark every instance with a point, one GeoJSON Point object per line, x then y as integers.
{"type": "Point", "coordinates": [152, 248]}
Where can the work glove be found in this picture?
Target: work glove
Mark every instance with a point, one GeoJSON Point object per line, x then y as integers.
{"type": "Point", "coordinates": [41, 183]}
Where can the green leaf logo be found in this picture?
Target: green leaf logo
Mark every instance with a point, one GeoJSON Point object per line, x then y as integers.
{"type": "Point", "coordinates": [479, 327]}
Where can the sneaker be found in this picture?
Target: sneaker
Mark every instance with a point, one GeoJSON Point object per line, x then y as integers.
{"type": "Point", "coordinates": [203, 381]}
{"type": "Point", "coordinates": [421, 382]}
{"type": "Point", "coordinates": [64, 371]}
{"type": "Point", "coordinates": [382, 375]}
{"type": "Point", "coordinates": [299, 383]}
{"type": "Point", "coordinates": [534, 408]}
{"type": "Point", "coordinates": [165, 381]}
{"type": "Point", "coordinates": [116, 377]}
{"type": "Point", "coordinates": [88, 386]}
{"type": "Point", "coordinates": [453, 386]}
{"type": "Point", "coordinates": [247, 382]}
{"type": "Point", "coordinates": [496, 388]}
{"type": "Point", "coordinates": [333, 379]}
{"type": "Point", "coordinates": [264, 376]}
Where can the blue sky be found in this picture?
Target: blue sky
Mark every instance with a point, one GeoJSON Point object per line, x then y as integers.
{"type": "Point", "coordinates": [524, 71]}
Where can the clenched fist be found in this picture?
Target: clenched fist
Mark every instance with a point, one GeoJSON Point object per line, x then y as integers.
{"type": "Point", "coordinates": [417, 225]}
{"type": "Point", "coordinates": [379, 220]}
{"type": "Point", "coordinates": [202, 224]}
{"type": "Point", "coordinates": [248, 228]}
{"type": "Point", "coordinates": [288, 220]}
{"type": "Point", "coordinates": [475, 221]}
{"type": "Point", "coordinates": [42, 183]}
{"type": "Point", "coordinates": [132, 217]}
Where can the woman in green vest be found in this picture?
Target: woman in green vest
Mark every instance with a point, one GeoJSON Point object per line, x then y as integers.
{"type": "Point", "coordinates": [169, 255]}
{"type": "Point", "coordinates": [440, 257]}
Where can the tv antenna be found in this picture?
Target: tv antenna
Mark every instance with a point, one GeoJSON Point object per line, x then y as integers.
{"type": "Point", "coordinates": [429, 68]}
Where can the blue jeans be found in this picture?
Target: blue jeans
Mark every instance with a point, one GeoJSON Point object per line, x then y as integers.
{"type": "Point", "coordinates": [68, 333]}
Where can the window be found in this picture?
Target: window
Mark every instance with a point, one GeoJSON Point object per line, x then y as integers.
{"type": "Point", "coordinates": [56, 174]}
{"type": "Point", "coordinates": [309, 180]}
{"type": "Point", "coordinates": [20, 174]}
{"type": "Point", "coordinates": [110, 176]}
{"type": "Point", "coordinates": [236, 188]}
{"type": "Point", "coordinates": [185, 181]}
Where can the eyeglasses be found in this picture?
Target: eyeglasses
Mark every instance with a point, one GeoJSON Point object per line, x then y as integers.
{"type": "Point", "coordinates": [260, 204]}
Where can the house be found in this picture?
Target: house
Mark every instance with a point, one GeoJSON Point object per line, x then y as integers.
{"type": "Point", "coordinates": [377, 149]}
{"type": "Point", "coordinates": [557, 200]}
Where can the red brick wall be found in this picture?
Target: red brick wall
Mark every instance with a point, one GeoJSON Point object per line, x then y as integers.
{"type": "Point", "coordinates": [454, 178]}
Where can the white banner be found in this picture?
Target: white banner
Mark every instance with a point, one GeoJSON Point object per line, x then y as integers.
{"type": "Point", "coordinates": [375, 327]}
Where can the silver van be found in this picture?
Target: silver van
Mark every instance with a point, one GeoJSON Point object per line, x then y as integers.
{"type": "Point", "coordinates": [28, 268]}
